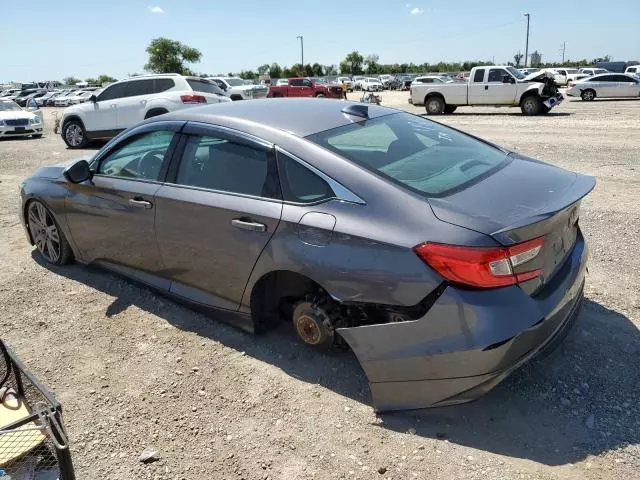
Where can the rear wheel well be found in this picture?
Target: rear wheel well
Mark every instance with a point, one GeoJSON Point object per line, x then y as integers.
{"type": "Point", "coordinates": [274, 294]}
{"type": "Point", "coordinates": [154, 112]}
{"type": "Point", "coordinates": [434, 94]}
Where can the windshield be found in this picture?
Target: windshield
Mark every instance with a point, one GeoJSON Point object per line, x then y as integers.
{"type": "Point", "coordinates": [9, 107]}
{"type": "Point", "coordinates": [421, 155]}
{"type": "Point", "coordinates": [600, 70]}
{"type": "Point", "coordinates": [572, 70]}
{"type": "Point", "coordinates": [204, 86]}
{"type": "Point", "coordinates": [516, 73]}
{"type": "Point", "coordinates": [234, 82]}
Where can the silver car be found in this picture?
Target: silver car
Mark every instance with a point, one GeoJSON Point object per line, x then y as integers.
{"type": "Point", "coordinates": [608, 85]}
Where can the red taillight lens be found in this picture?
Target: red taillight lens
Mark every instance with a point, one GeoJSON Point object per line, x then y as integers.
{"type": "Point", "coordinates": [193, 99]}
{"type": "Point", "coordinates": [479, 266]}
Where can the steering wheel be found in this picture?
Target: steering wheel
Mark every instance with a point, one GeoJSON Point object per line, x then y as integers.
{"type": "Point", "coordinates": [150, 164]}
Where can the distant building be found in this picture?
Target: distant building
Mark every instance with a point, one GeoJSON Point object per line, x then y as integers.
{"type": "Point", "coordinates": [536, 59]}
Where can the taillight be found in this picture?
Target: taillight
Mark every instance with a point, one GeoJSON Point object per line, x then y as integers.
{"type": "Point", "coordinates": [193, 99]}
{"type": "Point", "coordinates": [480, 266]}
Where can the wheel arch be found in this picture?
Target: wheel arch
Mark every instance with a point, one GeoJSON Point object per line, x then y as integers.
{"type": "Point", "coordinates": [69, 118]}
{"type": "Point", "coordinates": [155, 111]}
{"type": "Point", "coordinates": [273, 289]}
{"type": "Point", "coordinates": [430, 95]}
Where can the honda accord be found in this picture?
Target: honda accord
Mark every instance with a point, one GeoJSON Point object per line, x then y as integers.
{"type": "Point", "coordinates": [442, 261]}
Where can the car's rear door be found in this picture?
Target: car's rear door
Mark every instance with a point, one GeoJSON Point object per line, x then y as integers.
{"type": "Point", "coordinates": [606, 86]}
{"type": "Point", "coordinates": [112, 216]}
{"type": "Point", "coordinates": [626, 86]}
{"type": "Point", "coordinates": [215, 214]}
{"type": "Point", "coordinates": [476, 89]}
{"type": "Point", "coordinates": [132, 108]}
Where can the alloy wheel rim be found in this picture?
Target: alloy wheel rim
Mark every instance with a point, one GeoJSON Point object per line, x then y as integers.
{"type": "Point", "coordinates": [588, 95]}
{"type": "Point", "coordinates": [74, 135]}
{"type": "Point", "coordinates": [44, 232]}
{"type": "Point", "coordinates": [528, 107]}
{"type": "Point", "coordinates": [434, 106]}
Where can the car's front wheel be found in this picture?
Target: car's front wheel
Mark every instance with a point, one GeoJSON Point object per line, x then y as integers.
{"type": "Point", "coordinates": [588, 95]}
{"type": "Point", "coordinates": [530, 106]}
{"type": "Point", "coordinates": [74, 134]}
{"type": "Point", "coordinates": [46, 235]}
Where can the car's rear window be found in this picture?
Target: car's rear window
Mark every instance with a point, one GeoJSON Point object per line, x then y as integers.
{"type": "Point", "coordinates": [204, 86]}
{"type": "Point", "coordinates": [424, 156]}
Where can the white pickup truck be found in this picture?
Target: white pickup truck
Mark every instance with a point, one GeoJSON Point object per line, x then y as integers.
{"type": "Point", "coordinates": [535, 93]}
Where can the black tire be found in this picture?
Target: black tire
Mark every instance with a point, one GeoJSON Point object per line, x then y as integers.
{"type": "Point", "coordinates": [588, 95]}
{"type": "Point", "coordinates": [312, 325]}
{"type": "Point", "coordinates": [235, 98]}
{"type": "Point", "coordinates": [154, 112]}
{"type": "Point", "coordinates": [531, 106]}
{"type": "Point", "coordinates": [46, 234]}
{"type": "Point", "coordinates": [74, 134]}
{"type": "Point", "coordinates": [320, 95]}
{"type": "Point", "coordinates": [37, 135]}
{"type": "Point", "coordinates": [449, 109]}
{"type": "Point", "coordinates": [435, 106]}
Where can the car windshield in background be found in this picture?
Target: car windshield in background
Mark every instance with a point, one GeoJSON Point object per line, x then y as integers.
{"type": "Point", "coordinates": [425, 157]}
{"type": "Point", "coordinates": [516, 73]}
{"type": "Point", "coordinates": [235, 82]}
{"type": "Point", "coordinates": [9, 107]}
{"type": "Point", "coordinates": [572, 70]}
{"type": "Point", "coordinates": [204, 86]}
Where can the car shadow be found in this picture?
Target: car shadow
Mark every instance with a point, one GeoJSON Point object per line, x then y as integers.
{"type": "Point", "coordinates": [495, 114]}
{"type": "Point", "coordinates": [581, 400]}
{"type": "Point", "coordinates": [633, 99]}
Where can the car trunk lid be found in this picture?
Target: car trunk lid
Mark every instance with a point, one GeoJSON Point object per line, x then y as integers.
{"type": "Point", "coordinates": [526, 199]}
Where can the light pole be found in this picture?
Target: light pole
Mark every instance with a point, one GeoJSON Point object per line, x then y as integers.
{"type": "Point", "coordinates": [526, 48]}
{"type": "Point", "coordinates": [301, 52]}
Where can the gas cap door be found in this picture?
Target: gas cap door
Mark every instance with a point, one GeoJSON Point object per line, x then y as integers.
{"type": "Point", "coordinates": [316, 228]}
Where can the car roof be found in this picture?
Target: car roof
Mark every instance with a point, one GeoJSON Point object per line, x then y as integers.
{"type": "Point", "coordinates": [298, 116]}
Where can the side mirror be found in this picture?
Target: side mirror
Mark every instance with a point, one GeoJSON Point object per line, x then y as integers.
{"type": "Point", "coordinates": [93, 99]}
{"type": "Point", "coordinates": [507, 79]}
{"type": "Point", "coordinates": [78, 172]}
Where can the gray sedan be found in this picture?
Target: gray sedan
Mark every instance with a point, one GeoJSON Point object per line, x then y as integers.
{"type": "Point", "coordinates": [444, 262]}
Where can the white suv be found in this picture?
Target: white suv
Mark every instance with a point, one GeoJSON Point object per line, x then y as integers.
{"type": "Point", "coordinates": [125, 103]}
{"type": "Point", "coordinates": [236, 89]}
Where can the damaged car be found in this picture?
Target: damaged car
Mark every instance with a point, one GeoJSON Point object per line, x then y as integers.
{"type": "Point", "coordinates": [442, 261]}
{"type": "Point", "coordinates": [535, 93]}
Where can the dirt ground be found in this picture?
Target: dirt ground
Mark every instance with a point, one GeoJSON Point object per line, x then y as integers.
{"type": "Point", "coordinates": [135, 370]}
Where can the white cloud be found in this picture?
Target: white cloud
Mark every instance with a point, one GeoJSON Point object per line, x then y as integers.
{"type": "Point", "coordinates": [155, 9]}
{"type": "Point", "coordinates": [417, 11]}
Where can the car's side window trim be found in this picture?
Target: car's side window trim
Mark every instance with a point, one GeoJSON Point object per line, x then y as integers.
{"type": "Point", "coordinates": [341, 192]}
{"type": "Point", "coordinates": [168, 126]}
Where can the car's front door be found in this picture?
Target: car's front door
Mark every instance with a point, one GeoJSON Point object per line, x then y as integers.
{"type": "Point", "coordinates": [102, 115]}
{"type": "Point", "coordinates": [295, 87]}
{"type": "Point", "coordinates": [132, 108]}
{"type": "Point", "coordinates": [112, 216]}
{"type": "Point", "coordinates": [215, 214]}
{"type": "Point", "coordinates": [500, 87]}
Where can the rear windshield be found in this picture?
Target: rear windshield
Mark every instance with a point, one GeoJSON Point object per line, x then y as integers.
{"type": "Point", "coordinates": [204, 86]}
{"type": "Point", "coordinates": [421, 155]}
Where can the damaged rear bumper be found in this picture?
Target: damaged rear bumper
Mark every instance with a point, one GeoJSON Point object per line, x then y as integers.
{"type": "Point", "coordinates": [468, 342]}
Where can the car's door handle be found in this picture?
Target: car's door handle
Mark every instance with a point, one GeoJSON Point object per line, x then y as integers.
{"type": "Point", "coordinates": [248, 224]}
{"type": "Point", "coordinates": [486, 87]}
{"type": "Point", "coordinates": [140, 202]}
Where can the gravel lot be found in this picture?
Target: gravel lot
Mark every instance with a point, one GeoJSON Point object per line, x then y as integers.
{"type": "Point", "coordinates": [135, 370]}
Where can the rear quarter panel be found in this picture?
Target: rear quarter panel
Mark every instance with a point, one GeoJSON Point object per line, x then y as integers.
{"type": "Point", "coordinates": [454, 94]}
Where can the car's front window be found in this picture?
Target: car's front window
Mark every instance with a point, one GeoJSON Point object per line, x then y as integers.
{"type": "Point", "coordinates": [418, 154]}
{"type": "Point", "coordinates": [9, 107]}
{"type": "Point", "coordinates": [140, 159]}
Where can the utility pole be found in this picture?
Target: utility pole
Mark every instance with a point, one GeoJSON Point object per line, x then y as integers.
{"type": "Point", "coordinates": [564, 47]}
{"type": "Point", "coordinates": [526, 48]}
{"type": "Point", "coordinates": [301, 38]}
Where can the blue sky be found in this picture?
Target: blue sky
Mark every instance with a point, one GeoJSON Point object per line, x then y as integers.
{"type": "Point", "coordinates": [44, 39]}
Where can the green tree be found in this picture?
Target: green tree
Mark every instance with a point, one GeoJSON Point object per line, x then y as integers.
{"type": "Point", "coordinates": [70, 80]}
{"type": "Point", "coordinates": [275, 71]}
{"type": "Point", "coordinates": [263, 69]}
{"type": "Point", "coordinates": [91, 81]}
{"type": "Point", "coordinates": [372, 64]}
{"type": "Point", "coordinates": [248, 75]}
{"type": "Point", "coordinates": [518, 58]}
{"type": "Point", "coordinates": [317, 70]}
{"type": "Point", "coordinates": [170, 56]}
{"type": "Point", "coordinates": [102, 79]}
{"type": "Point", "coordinates": [606, 58]}
{"type": "Point", "coordinates": [330, 70]}
{"type": "Point", "coordinates": [352, 64]}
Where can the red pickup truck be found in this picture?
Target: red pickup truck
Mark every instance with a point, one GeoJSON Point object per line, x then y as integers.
{"type": "Point", "coordinates": [304, 87]}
